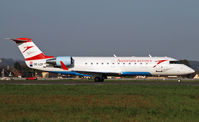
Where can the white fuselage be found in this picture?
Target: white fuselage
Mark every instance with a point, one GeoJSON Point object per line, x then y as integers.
{"type": "Point", "coordinates": [118, 65]}
{"type": "Point", "coordinates": [99, 67]}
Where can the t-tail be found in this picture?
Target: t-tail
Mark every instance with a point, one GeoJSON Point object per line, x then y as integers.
{"type": "Point", "coordinates": [29, 50]}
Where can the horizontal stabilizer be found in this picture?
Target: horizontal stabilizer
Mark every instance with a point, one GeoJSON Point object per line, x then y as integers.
{"type": "Point", "coordinates": [21, 40]}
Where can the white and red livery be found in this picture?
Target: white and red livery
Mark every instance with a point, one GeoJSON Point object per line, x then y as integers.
{"type": "Point", "coordinates": [99, 67]}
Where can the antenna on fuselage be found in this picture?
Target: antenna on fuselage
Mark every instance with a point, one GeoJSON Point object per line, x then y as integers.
{"type": "Point", "coordinates": [150, 55]}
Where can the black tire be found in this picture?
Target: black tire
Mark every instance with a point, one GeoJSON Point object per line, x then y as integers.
{"type": "Point", "coordinates": [101, 79]}
{"type": "Point", "coordinates": [98, 79]}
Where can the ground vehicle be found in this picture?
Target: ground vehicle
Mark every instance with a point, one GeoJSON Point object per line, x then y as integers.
{"type": "Point", "coordinates": [31, 78]}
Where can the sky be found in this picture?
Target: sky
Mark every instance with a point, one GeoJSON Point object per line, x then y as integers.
{"type": "Point", "coordinates": [102, 27]}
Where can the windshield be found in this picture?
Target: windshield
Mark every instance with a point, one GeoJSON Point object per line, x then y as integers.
{"type": "Point", "coordinates": [175, 62]}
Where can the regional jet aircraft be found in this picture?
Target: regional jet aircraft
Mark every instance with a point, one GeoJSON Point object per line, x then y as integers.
{"type": "Point", "coordinates": [99, 67]}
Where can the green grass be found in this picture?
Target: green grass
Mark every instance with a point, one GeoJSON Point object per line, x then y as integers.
{"type": "Point", "coordinates": [116, 80]}
{"type": "Point", "coordinates": [99, 103]}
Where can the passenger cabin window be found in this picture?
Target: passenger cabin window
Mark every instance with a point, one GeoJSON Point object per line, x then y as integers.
{"type": "Point", "coordinates": [175, 62]}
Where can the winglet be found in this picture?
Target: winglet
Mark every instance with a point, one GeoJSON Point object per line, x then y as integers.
{"type": "Point", "coordinates": [64, 67]}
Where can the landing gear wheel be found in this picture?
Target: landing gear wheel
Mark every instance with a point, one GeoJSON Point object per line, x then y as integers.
{"type": "Point", "coordinates": [98, 79]}
{"type": "Point", "coordinates": [102, 80]}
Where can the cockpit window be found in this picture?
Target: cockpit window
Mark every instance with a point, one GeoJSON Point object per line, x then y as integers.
{"type": "Point", "coordinates": [175, 62]}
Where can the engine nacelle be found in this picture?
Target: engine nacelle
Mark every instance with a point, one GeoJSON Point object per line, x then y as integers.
{"type": "Point", "coordinates": [67, 60]}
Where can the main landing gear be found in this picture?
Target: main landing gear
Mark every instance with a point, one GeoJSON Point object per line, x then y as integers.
{"type": "Point", "coordinates": [99, 79]}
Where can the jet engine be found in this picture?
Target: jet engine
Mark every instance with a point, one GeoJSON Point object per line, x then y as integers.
{"type": "Point", "coordinates": [67, 60]}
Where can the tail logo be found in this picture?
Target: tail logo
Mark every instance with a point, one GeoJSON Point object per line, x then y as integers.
{"type": "Point", "coordinates": [27, 48]}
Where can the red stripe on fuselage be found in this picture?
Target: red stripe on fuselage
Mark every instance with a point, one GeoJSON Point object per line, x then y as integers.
{"type": "Point", "coordinates": [40, 56]}
{"type": "Point", "coordinates": [159, 62]}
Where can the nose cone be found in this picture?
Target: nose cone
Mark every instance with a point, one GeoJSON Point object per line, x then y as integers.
{"type": "Point", "coordinates": [190, 70]}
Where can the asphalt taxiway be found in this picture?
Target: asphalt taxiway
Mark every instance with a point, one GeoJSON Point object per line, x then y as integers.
{"type": "Point", "coordinates": [79, 82]}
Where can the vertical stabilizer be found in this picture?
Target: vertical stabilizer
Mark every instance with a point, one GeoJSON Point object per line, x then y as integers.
{"type": "Point", "coordinates": [29, 50]}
